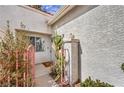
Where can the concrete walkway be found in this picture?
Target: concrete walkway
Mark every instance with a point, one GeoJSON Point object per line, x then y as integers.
{"type": "Point", "coordinates": [42, 77]}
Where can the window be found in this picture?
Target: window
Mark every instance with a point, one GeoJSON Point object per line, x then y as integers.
{"type": "Point", "coordinates": [37, 42]}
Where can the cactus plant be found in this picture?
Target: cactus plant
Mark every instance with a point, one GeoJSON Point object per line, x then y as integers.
{"type": "Point", "coordinates": [57, 69]}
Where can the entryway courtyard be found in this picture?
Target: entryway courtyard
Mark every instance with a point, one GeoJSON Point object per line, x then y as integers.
{"type": "Point", "coordinates": [42, 77]}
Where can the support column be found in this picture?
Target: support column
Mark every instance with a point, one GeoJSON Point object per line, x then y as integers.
{"type": "Point", "coordinates": [73, 60]}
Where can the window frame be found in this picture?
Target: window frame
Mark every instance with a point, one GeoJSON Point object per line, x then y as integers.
{"type": "Point", "coordinates": [36, 43]}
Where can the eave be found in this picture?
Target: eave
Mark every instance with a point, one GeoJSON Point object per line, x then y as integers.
{"type": "Point", "coordinates": [33, 32]}
{"type": "Point", "coordinates": [60, 13]}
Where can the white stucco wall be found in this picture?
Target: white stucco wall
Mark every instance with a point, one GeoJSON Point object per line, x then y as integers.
{"type": "Point", "coordinates": [32, 20]}
{"type": "Point", "coordinates": [101, 35]}
{"type": "Point", "coordinates": [15, 14]}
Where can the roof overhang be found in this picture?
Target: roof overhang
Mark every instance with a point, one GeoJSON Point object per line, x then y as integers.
{"type": "Point", "coordinates": [33, 32]}
{"type": "Point", "coordinates": [60, 13]}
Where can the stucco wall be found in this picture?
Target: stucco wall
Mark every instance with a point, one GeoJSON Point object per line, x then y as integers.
{"type": "Point", "coordinates": [15, 14]}
{"type": "Point", "coordinates": [32, 20]}
{"type": "Point", "coordinates": [72, 14]}
{"type": "Point", "coordinates": [101, 35]}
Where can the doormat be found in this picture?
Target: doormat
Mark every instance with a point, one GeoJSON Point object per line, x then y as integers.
{"type": "Point", "coordinates": [47, 64]}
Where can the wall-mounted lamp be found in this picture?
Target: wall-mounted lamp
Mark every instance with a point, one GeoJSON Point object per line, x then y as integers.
{"type": "Point", "coordinates": [62, 35]}
{"type": "Point", "coordinates": [72, 36]}
{"type": "Point", "coordinates": [22, 25]}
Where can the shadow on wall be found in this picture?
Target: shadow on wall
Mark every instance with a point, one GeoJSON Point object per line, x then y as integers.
{"type": "Point", "coordinates": [79, 61]}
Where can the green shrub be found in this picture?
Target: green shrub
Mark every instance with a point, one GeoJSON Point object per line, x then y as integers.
{"type": "Point", "coordinates": [97, 83]}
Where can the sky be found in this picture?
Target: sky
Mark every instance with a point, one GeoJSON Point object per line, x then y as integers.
{"type": "Point", "coordinates": [50, 8]}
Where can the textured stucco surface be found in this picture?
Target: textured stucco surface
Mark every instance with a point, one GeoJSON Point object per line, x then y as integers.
{"type": "Point", "coordinates": [101, 35]}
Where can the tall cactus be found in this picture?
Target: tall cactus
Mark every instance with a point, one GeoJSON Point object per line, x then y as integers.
{"type": "Point", "coordinates": [58, 42]}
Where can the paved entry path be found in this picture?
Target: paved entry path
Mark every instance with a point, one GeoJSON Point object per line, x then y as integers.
{"type": "Point", "coordinates": [42, 77]}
